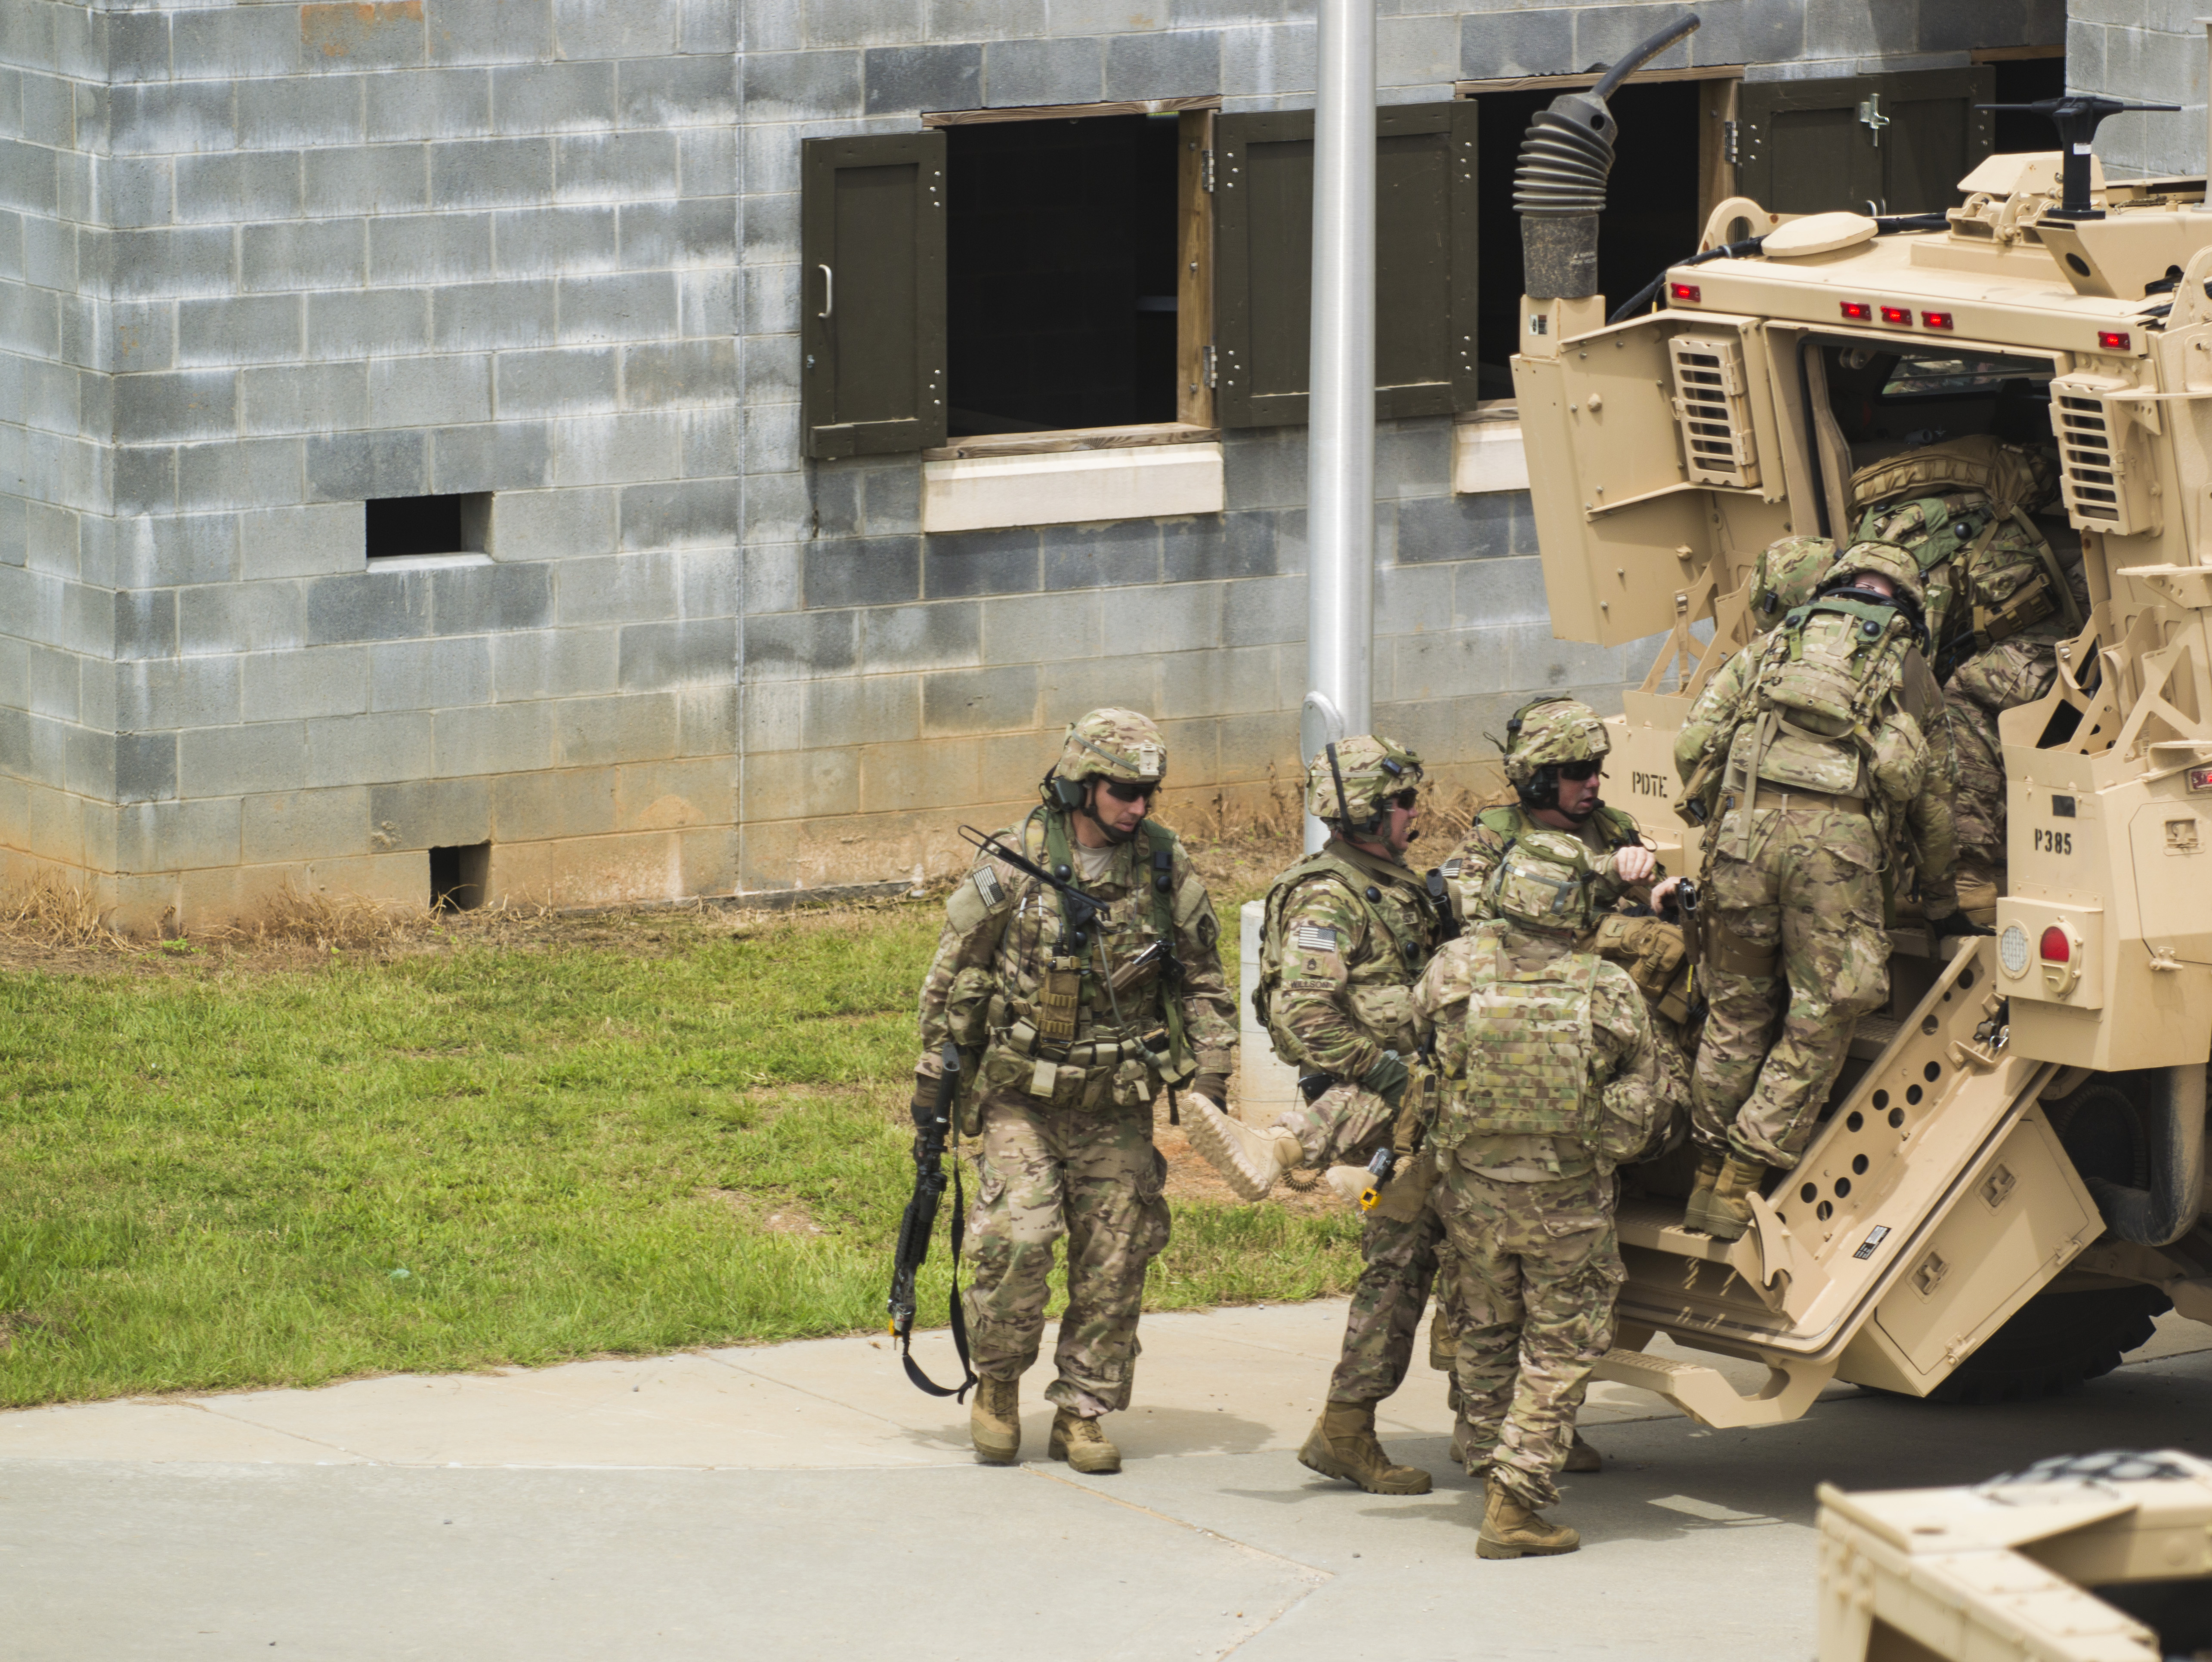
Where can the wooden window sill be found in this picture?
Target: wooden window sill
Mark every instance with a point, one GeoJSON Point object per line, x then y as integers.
{"type": "Point", "coordinates": [1080, 438]}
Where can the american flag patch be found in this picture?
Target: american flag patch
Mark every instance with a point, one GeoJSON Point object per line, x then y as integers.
{"type": "Point", "coordinates": [988, 888]}
{"type": "Point", "coordinates": [1312, 937]}
{"type": "Point", "coordinates": [1453, 866]}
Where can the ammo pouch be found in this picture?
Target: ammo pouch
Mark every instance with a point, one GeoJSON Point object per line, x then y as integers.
{"type": "Point", "coordinates": [1656, 956]}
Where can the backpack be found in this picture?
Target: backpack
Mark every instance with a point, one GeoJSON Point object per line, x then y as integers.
{"type": "Point", "coordinates": [1815, 700]}
{"type": "Point", "coordinates": [1530, 1042]}
{"type": "Point", "coordinates": [2008, 475]}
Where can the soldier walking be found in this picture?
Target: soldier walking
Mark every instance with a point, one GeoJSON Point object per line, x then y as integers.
{"type": "Point", "coordinates": [1554, 1076]}
{"type": "Point", "coordinates": [1067, 1035]}
{"type": "Point", "coordinates": [1348, 929]}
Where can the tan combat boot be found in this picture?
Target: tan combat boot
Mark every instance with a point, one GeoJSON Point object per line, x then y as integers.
{"type": "Point", "coordinates": [994, 1421]}
{"type": "Point", "coordinates": [1701, 1189]}
{"type": "Point", "coordinates": [1249, 1161]}
{"type": "Point", "coordinates": [1080, 1443]}
{"type": "Point", "coordinates": [1510, 1530]}
{"type": "Point", "coordinates": [1727, 1208]}
{"type": "Point", "coordinates": [1581, 1457]}
{"type": "Point", "coordinates": [1342, 1445]}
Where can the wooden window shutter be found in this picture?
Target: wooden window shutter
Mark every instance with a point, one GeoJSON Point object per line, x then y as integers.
{"type": "Point", "coordinates": [1425, 262]}
{"type": "Point", "coordinates": [1936, 137]}
{"type": "Point", "coordinates": [871, 236]}
{"type": "Point", "coordinates": [1898, 142]}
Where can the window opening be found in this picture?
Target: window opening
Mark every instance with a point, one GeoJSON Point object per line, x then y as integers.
{"type": "Point", "coordinates": [1651, 218]}
{"type": "Point", "coordinates": [1061, 292]}
{"type": "Point", "coordinates": [1888, 400]}
{"type": "Point", "coordinates": [398, 526]}
{"type": "Point", "coordinates": [2024, 81]}
{"type": "Point", "coordinates": [459, 877]}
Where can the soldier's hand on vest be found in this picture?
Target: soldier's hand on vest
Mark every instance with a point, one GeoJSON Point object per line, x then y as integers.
{"type": "Point", "coordinates": [1634, 864]}
{"type": "Point", "coordinates": [1386, 1078]}
{"type": "Point", "coordinates": [1957, 923]}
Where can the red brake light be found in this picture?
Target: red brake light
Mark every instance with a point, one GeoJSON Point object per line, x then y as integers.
{"type": "Point", "coordinates": [1897, 314]}
{"type": "Point", "coordinates": [2113, 340]}
{"type": "Point", "coordinates": [1685, 291]}
{"type": "Point", "coordinates": [1858, 311]}
{"type": "Point", "coordinates": [1936, 319]}
{"type": "Point", "coordinates": [2053, 947]}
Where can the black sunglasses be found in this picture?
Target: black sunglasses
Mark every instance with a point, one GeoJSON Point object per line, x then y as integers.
{"type": "Point", "coordinates": [1121, 792]}
{"type": "Point", "coordinates": [1578, 771]}
{"type": "Point", "coordinates": [1406, 799]}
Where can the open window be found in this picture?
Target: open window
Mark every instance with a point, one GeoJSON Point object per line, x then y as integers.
{"type": "Point", "coordinates": [1883, 144]}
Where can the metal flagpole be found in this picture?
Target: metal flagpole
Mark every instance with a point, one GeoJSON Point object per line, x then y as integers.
{"type": "Point", "coordinates": [1340, 436]}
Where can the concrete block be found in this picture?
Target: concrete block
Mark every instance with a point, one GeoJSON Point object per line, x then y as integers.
{"type": "Point", "coordinates": [491, 173]}
{"type": "Point", "coordinates": [1602, 34]}
{"type": "Point", "coordinates": [567, 380]}
{"type": "Point", "coordinates": [490, 31]}
{"type": "Point", "coordinates": [492, 738]}
{"type": "Point", "coordinates": [552, 241]}
{"type": "Point", "coordinates": [1480, 527]}
{"type": "Point", "coordinates": [362, 466]}
{"type": "Point", "coordinates": [637, 28]}
{"type": "Point", "coordinates": [659, 796]}
{"type": "Point", "coordinates": [240, 617]}
{"type": "Point", "coordinates": [863, 571]}
{"type": "Point", "coordinates": [981, 562]}
{"type": "Point", "coordinates": [657, 656]}
{"type": "Point", "coordinates": [324, 253]}
{"type": "Point", "coordinates": [1411, 599]}
{"type": "Point", "coordinates": [1221, 546]}
{"type": "Point", "coordinates": [695, 513]}
{"type": "Point", "coordinates": [614, 166]}
{"type": "Point", "coordinates": [304, 825]}
{"type": "Point", "coordinates": [311, 398]}
{"type": "Point", "coordinates": [771, 447]}
{"type": "Point", "coordinates": [828, 23]}
{"type": "Point", "coordinates": [695, 231]}
{"type": "Point", "coordinates": [1421, 52]}
{"type": "Point", "coordinates": [1489, 457]}
{"type": "Point", "coordinates": [591, 732]}
{"type": "Point", "coordinates": [775, 712]}
{"type": "Point", "coordinates": [711, 582]}
{"type": "Point", "coordinates": [563, 663]}
{"type": "Point", "coordinates": [1499, 592]}
{"type": "Point", "coordinates": [837, 500]}
{"type": "Point", "coordinates": [429, 248]}
{"type": "Point", "coordinates": [549, 524]}
{"type": "Point", "coordinates": [164, 553]}
{"type": "Point", "coordinates": [677, 92]}
{"type": "Point", "coordinates": [374, 323]}
{"type": "Point", "coordinates": [33, 177]}
{"type": "Point", "coordinates": [165, 119]}
{"type": "Point", "coordinates": [710, 26]}
{"type": "Point", "coordinates": [804, 85]}
{"type": "Point", "coordinates": [628, 305]}
{"type": "Point", "coordinates": [386, 34]}
{"type": "Point", "coordinates": [376, 179]}
{"type": "Point", "coordinates": [1232, 681]}
{"type": "Point", "coordinates": [498, 456]}
{"type": "Point", "coordinates": [1107, 556]}
{"type": "Point", "coordinates": [197, 403]}
{"type": "Point", "coordinates": [853, 710]}
{"type": "Point", "coordinates": [925, 637]}
{"type": "Point", "coordinates": [538, 807]}
{"type": "Point", "coordinates": [799, 645]}
{"type": "Point", "coordinates": [903, 79]}
{"type": "Point", "coordinates": [1268, 610]}
{"type": "Point", "coordinates": [667, 374]}
{"type": "Point", "coordinates": [300, 113]}
{"type": "Point", "coordinates": [430, 392]}
{"type": "Point", "coordinates": [184, 260]}
{"type": "Point", "coordinates": [247, 185]}
{"type": "Point", "coordinates": [372, 750]}
{"type": "Point", "coordinates": [1024, 629]}
{"type": "Point", "coordinates": [905, 777]}
{"type": "Point", "coordinates": [1019, 73]}
{"type": "Point", "coordinates": [1267, 60]}
{"type": "Point", "coordinates": [429, 813]}
{"type": "Point", "coordinates": [429, 675]}
{"type": "Point", "coordinates": [169, 836]}
{"type": "Point", "coordinates": [161, 695]}
{"type": "Point", "coordinates": [617, 449]}
{"type": "Point", "coordinates": [374, 605]}
{"type": "Point", "coordinates": [138, 46]}
{"type": "Point", "coordinates": [1182, 618]}
{"type": "Point", "coordinates": [301, 542]}
{"type": "Point", "coordinates": [145, 764]}
{"type": "Point", "coordinates": [789, 786]}
{"type": "Point", "coordinates": [553, 98]}
{"type": "Point", "coordinates": [707, 161]}
{"type": "Point", "coordinates": [486, 599]}
{"type": "Point", "coordinates": [321, 681]}
{"type": "Point", "coordinates": [771, 371]}
{"type": "Point", "coordinates": [706, 720]}
{"type": "Point", "coordinates": [134, 192]}
{"type": "Point", "coordinates": [1449, 664]}
{"type": "Point", "coordinates": [1156, 62]}
{"type": "Point", "coordinates": [237, 761]}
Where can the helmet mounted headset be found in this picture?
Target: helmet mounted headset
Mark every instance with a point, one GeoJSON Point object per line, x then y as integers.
{"type": "Point", "coordinates": [1075, 796]}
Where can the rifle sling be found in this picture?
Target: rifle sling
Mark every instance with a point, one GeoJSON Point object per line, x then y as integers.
{"type": "Point", "coordinates": [959, 1231]}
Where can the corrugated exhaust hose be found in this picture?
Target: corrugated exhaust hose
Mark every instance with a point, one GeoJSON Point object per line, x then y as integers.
{"type": "Point", "coordinates": [2174, 1131]}
{"type": "Point", "coordinates": [1558, 188]}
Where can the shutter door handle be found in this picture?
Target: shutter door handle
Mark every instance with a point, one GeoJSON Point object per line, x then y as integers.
{"type": "Point", "coordinates": [829, 291]}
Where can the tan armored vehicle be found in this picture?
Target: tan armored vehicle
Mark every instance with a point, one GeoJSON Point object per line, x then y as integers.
{"type": "Point", "coordinates": [2008, 1182]}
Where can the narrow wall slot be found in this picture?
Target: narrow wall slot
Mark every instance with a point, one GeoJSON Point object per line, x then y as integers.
{"type": "Point", "coordinates": [459, 877]}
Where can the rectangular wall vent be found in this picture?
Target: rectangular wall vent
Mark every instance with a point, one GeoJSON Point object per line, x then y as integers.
{"type": "Point", "coordinates": [2101, 479]}
{"type": "Point", "coordinates": [1711, 409]}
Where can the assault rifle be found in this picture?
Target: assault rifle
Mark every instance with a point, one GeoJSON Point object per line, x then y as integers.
{"type": "Point", "coordinates": [932, 1126]}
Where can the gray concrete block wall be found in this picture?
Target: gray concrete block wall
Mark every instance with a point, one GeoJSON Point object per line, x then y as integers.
{"type": "Point", "coordinates": [2144, 54]}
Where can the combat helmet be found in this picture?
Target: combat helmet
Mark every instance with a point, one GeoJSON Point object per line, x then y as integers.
{"type": "Point", "coordinates": [1543, 881]}
{"type": "Point", "coordinates": [1886, 558]}
{"type": "Point", "coordinates": [1352, 789]}
{"type": "Point", "coordinates": [1114, 744]}
{"type": "Point", "coordinates": [1788, 573]}
{"type": "Point", "coordinates": [1544, 735]}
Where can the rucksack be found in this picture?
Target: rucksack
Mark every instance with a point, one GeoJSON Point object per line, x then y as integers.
{"type": "Point", "coordinates": [2008, 475]}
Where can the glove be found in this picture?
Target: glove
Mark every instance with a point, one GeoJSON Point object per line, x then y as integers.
{"type": "Point", "coordinates": [1214, 1087]}
{"type": "Point", "coordinates": [1957, 923]}
{"type": "Point", "coordinates": [1386, 1078]}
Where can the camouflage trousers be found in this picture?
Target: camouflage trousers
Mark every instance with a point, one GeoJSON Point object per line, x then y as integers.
{"type": "Point", "coordinates": [1538, 1267]}
{"type": "Point", "coordinates": [1094, 1177]}
{"type": "Point", "coordinates": [1387, 1305]}
{"type": "Point", "coordinates": [1342, 1127]}
{"type": "Point", "coordinates": [1812, 888]}
{"type": "Point", "coordinates": [1998, 678]}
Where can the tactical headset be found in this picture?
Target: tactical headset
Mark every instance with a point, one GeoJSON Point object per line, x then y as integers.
{"type": "Point", "coordinates": [1542, 791]}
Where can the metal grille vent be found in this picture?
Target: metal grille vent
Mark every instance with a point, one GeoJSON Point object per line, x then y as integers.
{"type": "Point", "coordinates": [1710, 410]}
{"type": "Point", "coordinates": [2101, 489]}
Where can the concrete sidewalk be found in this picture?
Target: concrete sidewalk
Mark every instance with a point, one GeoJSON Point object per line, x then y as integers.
{"type": "Point", "coordinates": [803, 1500]}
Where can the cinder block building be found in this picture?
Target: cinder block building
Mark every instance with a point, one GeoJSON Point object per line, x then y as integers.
{"type": "Point", "coordinates": [585, 450]}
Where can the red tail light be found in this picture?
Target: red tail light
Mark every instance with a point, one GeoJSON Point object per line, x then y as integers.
{"type": "Point", "coordinates": [2053, 947]}
{"type": "Point", "coordinates": [1936, 319]}
{"type": "Point", "coordinates": [2113, 340]}
{"type": "Point", "coordinates": [1859, 311]}
{"type": "Point", "coordinates": [1685, 291]}
{"type": "Point", "coordinates": [1898, 314]}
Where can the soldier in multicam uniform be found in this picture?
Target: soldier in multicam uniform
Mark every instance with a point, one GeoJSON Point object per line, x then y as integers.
{"type": "Point", "coordinates": [1063, 1055]}
{"type": "Point", "coordinates": [1789, 574]}
{"type": "Point", "coordinates": [1835, 762]}
{"type": "Point", "coordinates": [1554, 1077]}
{"type": "Point", "coordinates": [1348, 931]}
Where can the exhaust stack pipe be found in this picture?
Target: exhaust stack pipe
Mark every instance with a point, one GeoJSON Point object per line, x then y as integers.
{"type": "Point", "coordinates": [1558, 189]}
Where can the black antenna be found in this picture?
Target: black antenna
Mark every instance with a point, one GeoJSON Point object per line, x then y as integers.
{"type": "Point", "coordinates": [1343, 808]}
{"type": "Point", "coordinates": [2077, 119]}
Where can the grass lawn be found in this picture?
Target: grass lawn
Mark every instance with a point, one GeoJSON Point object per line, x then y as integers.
{"type": "Point", "coordinates": [503, 1142]}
